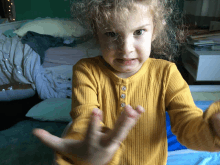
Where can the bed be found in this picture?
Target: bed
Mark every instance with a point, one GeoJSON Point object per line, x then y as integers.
{"type": "Point", "coordinates": [46, 102]}
{"type": "Point", "coordinates": [31, 51]}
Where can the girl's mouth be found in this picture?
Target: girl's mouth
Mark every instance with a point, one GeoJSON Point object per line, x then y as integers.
{"type": "Point", "coordinates": [126, 61]}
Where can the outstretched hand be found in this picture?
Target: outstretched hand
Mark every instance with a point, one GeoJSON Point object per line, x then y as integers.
{"type": "Point", "coordinates": [97, 147]}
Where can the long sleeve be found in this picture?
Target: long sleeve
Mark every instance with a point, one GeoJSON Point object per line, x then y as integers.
{"type": "Point", "coordinates": [157, 87]}
{"type": "Point", "coordinates": [85, 98]}
{"type": "Point", "coordinates": [188, 122]}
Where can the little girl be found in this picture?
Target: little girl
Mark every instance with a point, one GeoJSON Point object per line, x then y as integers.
{"type": "Point", "coordinates": [126, 76]}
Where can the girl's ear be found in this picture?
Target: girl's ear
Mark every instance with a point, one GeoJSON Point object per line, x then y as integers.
{"type": "Point", "coordinates": [153, 35]}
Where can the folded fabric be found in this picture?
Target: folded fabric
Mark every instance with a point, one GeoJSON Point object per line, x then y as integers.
{"type": "Point", "coordinates": [11, 95]}
{"type": "Point", "coordinates": [41, 42]}
{"type": "Point", "coordinates": [9, 33]}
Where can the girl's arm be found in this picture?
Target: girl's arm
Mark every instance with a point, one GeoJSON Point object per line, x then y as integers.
{"type": "Point", "coordinates": [189, 123]}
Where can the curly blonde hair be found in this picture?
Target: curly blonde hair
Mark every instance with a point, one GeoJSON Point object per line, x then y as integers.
{"type": "Point", "coordinates": [167, 21]}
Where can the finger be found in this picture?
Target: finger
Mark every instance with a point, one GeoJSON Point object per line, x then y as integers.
{"type": "Point", "coordinates": [58, 144]}
{"type": "Point", "coordinates": [50, 140]}
{"type": "Point", "coordinates": [94, 126]}
{"type": "Point", "coordinates": [66, 147]}
{"type": "Point", "coordinates": [140, 109]}
{"type": "Point", "coordinates": [125, 122]}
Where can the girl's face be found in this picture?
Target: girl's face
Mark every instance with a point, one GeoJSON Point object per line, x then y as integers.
{"type": "Point", "coordinates": [126, 41]}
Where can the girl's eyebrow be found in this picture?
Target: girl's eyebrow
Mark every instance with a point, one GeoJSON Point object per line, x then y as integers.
{"type": "Point", "coordinates": [141, 27]}
{"type": "Point", "coordinates": [110, 29]}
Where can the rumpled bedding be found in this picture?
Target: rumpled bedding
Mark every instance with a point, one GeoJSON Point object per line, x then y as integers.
{"type": "Point", "coordinates": [20, 63]}
{"type": "Point", "coordinates": [41, 42]}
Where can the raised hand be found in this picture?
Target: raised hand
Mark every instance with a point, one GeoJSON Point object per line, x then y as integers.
{"type": "Point", "coordinates": [97, 148]}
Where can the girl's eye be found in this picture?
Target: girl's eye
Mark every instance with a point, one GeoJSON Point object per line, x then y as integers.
{"type": "Point", "coordinates": [139, 32]}
{"type": "Point", "coordinates": [111, 34]}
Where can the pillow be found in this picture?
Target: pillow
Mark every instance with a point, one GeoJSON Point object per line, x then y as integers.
{"type": "Point", "coordinates": [53, 27]}
{"type": "Point", "coordinates": [53, 109]}
{"type": "Point", "coordinates": [173, 144]}
{"type": "Point", "coordinates": [10, 33]}
{"type": "Point", "coordinates": [31, 20]}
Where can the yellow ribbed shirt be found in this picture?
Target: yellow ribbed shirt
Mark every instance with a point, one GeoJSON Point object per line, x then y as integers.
{"type": "Point", "coordinates": [158, 87]}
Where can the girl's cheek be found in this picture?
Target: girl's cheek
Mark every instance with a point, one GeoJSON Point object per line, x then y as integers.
{"type": "Point", "coordinates": [111, 46]}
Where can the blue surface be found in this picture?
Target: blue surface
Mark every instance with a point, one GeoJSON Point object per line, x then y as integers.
{"type": "Point", "coordinates": [197, 158]}
{"type": "Point", "coordinates": [173, 144]}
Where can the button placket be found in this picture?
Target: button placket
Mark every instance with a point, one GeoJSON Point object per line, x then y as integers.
{"type": "Point", "coordinates": [122, 104]}
{"type": "Point", "coordinates": [122, 97]}
{"type": "Point", "coordinates": [123, 88]}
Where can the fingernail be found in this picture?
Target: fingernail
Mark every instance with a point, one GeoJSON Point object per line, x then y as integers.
{"type": "Point", "coordinates": [95, 112]}
{"type": "Point", "coordinates": [140, 108]}
{"type": "Point", "coordinates": [131, 113]}
{"type": "Point", "coordinates": [99, 113]}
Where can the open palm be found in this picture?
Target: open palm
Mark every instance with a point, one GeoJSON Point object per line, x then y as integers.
{"type": "Point", "coordinates": [98, 147]}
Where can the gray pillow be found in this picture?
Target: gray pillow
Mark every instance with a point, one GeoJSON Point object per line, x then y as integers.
{"type": "Point", "coordinates": [53, 109]}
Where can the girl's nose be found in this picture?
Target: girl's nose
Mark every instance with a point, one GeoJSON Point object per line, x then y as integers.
{"type": "Point", "coordinates": [126, 46]}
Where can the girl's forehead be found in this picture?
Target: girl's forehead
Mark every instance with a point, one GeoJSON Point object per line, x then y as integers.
{"type": "Point", "coordinates": [135, 16]}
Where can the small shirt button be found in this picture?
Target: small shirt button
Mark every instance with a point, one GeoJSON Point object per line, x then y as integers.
{"type": "Point", "coordinates": [122, 104]}
{"type": "Point", "coordinates": [123, 96]}
{"type": "Point", "coordinates": [124, 88]}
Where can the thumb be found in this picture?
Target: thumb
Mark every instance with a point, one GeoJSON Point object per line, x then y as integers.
{"type": "Point", "coordinates": [67, 147]}
{"type": "Point", "coordinates": [48, 139]}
